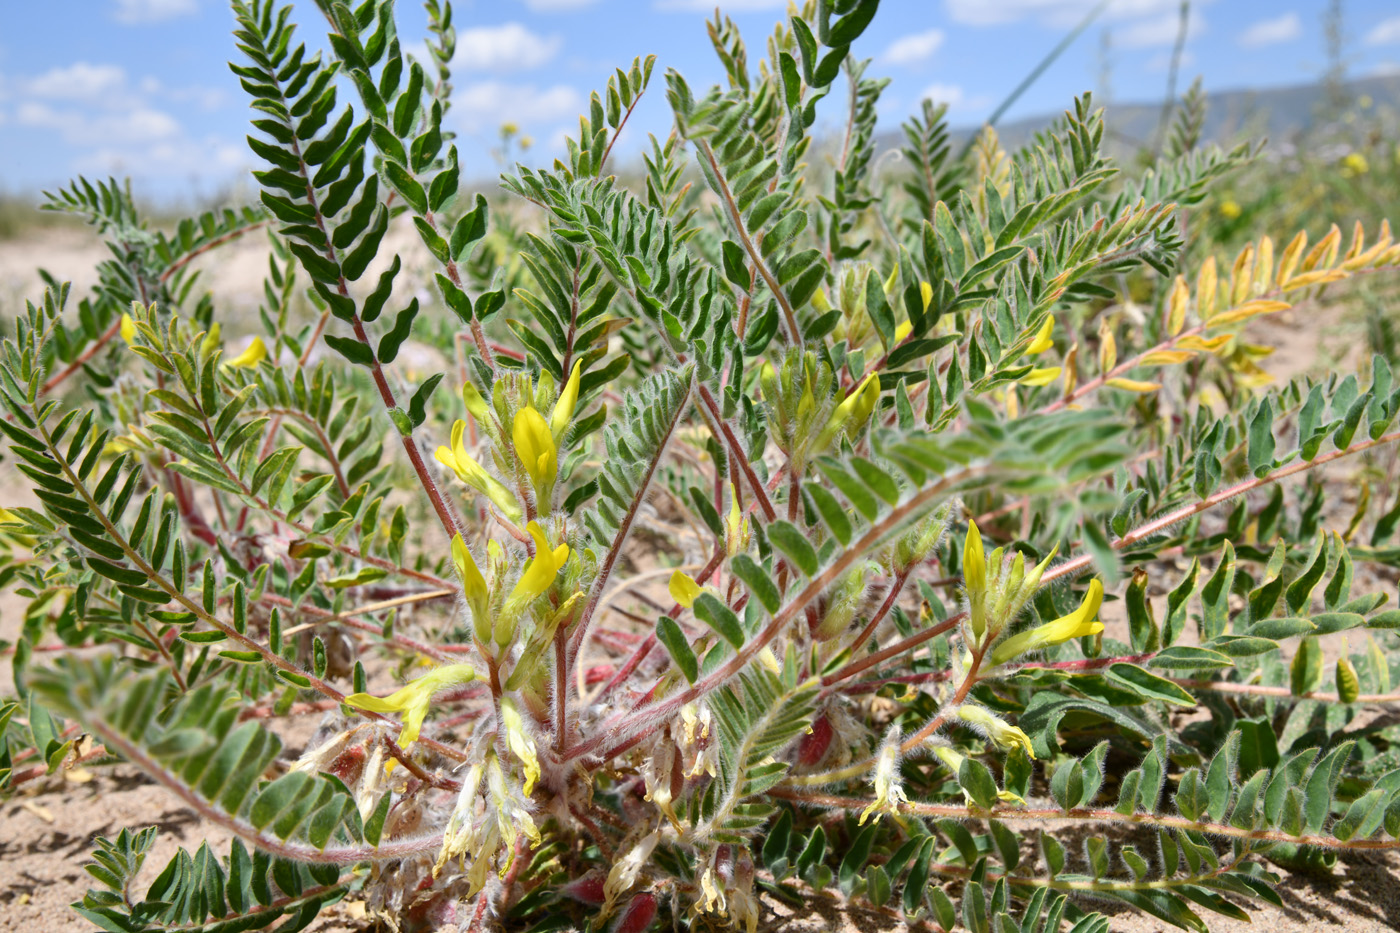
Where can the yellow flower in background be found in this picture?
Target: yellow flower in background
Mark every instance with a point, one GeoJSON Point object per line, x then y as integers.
{"type": "Point", "coordinates": [413, 700]}
{"type": "Point", "coordinates": [128, 329]}
{"type": "Point", "coordinates": [471, 473]}
{"type": "Point", "coordinates": [1353, 164]}
{"type": "Point", "coordinates": [252, 356]}
{"type": "Point", "coordinates": [1230, 209]}
{"type": "Point", "coordinates": [1083, 621]}
{"type": "Point", "coordinates": [684, 590]}
{"type": "Point", "coordinates": [210, 343]}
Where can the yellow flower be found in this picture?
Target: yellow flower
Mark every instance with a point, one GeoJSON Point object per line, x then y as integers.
{"type": "Point", "coordinates": [1042, 341]}
{"type": "Point", "coordinates": [539, 573]}
{"type": "Point", "coordinates": [252, 356]}
{"type": "Point", "coordinates": [471, 473]}
{"type": "Point", "coordinates": [902, 331]}
{"type": "Point", "coordinates": [535, 445]}
{"type": "Point", "coordinates": [128, 329]}
{"type": "Point", "coordinates": [1230, 209]}
{"type": "Point", "coordinates": [1083, 621]}
{"type": "Point", "coordinates": [537, 577]}
{"type": "Point", "coordinates": [1003, 735]}
{"type": "Point", "coordinates": [926, 293]}
{"type": "Point", "coordinates": [521, 745]}
{"type": "Point", "coordinates": [568, 401]}
{"type": "Point", "coordinates": [889, 793]}
{"type": "Point", "coordinates": [684, 589]}
{"type": "Point", "coordinates": [413, 700]}
{"type": "Point", "coordinates": [1041, 377]}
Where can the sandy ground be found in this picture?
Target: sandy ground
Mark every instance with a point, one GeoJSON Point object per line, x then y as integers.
{"type": "Point", "coordinates": [47, 830]}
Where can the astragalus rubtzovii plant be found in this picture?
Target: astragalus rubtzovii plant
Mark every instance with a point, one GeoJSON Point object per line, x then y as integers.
{"type": "Point", "coordinates": [773, 509]}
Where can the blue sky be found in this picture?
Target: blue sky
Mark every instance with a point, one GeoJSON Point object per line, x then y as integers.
{"type": "Point", "coordinates": [141, 87]}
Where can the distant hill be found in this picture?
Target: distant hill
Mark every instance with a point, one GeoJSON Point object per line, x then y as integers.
{"type": "Point", "coordinates": [1282, 114]}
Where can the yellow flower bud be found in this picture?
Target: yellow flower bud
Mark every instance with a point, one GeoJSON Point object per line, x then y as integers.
{"type": "Point", "coordinates": [568, 401]}
{"type": "Point", "coordinates": [210, 343]}
{"type": "Point", "coordinates": [975, 579]}
{"type": "Point", "coordinates": [128, 329]}
{"type": "Point", "coordinates": [851, 414]}
{"type": "Point", "coordinates": [476, 405]}
{"type": "Point", "coordinates": [473, 587]}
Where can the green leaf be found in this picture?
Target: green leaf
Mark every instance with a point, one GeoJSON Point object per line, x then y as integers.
{"type": "Point", "coordinates": [977, 782]}
{"type": "Point", "coordinates": [671, 636]}
{"type": "Point", "coordinates": [719, 617]}
{"type": "Point", "coordinates": [1261, 439]}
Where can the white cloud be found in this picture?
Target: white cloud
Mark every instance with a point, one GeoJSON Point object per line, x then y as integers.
{"type": "Point", "coordinates": [1283, 28]}
{"type": "Point", "coordinates": [1385, 32]}
{"type": "Point", "coordinates": [484, 106]}
{"type": "Point", "coordinates": [507, 47]}
{"type": "Point", "coordinates": [153, 11]}
{"type": "Point", "coordinates": [1163, 61]}
{"type": "Point", "coordinates": [141, 125]}
{"type": "Point", "coordinates": [80, 81]}
{"type": "Point", "coordinates": [951, 94]}
{"type": "Point", "coordinates": [553, 6]}
{"type": "Point", "coordinates": [205, 98]}
{"type": "Point", "coordinates": [1049, 12]}
{"type": "Point", "coordinates": [708, 6]}
{"type": "Point", "coordinates": [1158, 30]}
{"type": "Point", "coordinates": [913, 50]}
{"type": "Point", "coordinates": [209, 159]}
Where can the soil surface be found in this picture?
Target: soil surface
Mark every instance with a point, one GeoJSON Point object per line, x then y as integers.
{"type": "Point", "coordinates": [47, 829]}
